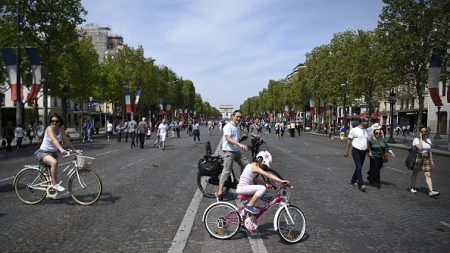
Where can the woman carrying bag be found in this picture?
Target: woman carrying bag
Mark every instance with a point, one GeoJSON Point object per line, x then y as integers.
{"type": "Point", "coordinates": [378, 149]}
{"type": "Point", "coordinates": [424, 162]}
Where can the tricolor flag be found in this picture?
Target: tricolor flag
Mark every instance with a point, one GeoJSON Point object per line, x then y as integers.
{"type": "Point", "coordinates": [322, 105]}
{"type": "Point", "coordinates": [136, 100]}
{"type": "Point", "coordinates": [127, 100]}
{"type": "Point", "coordinates": [311, 106]}
{"type": "Point", "coordinates": [11, 67]}
{"type": "Point", "coordinates": [433, 79]}
{"type": "Point", "coordinates": [33, 54]}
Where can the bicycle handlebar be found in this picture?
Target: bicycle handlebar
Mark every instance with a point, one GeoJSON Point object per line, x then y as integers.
{"type": "Point", "coordinates": [79, 153]}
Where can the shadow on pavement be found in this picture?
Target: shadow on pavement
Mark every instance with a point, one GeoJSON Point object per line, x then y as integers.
{"type": "Point", "coordinates": [7, 188]}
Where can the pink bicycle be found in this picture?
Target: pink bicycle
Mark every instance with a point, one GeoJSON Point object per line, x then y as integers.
{"type": "Point", "coordinates": [223, 220]}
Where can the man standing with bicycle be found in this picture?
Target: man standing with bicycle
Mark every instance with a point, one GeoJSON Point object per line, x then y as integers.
{"type": "Point", "coordinates": [231, 150]}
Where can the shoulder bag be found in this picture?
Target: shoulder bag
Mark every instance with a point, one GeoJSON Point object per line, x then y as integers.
{"type": "Point", "coordinates": [410, 161]}
{"type": "Point", "coordinates": [384, 156]}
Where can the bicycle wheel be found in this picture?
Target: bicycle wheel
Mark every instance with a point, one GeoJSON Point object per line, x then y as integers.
{"type": "Point", "coordinates": [270, 193]}
{"type": "Point", "coordinates": [85, 187]}
{"type": "Point", "coordinates": [30, 186]}
{"type": "Point", "coordinates": [293, 230]}
{"type": "Point", "coordinates": [208, 185]}
{"type": "Point", "coordinates": [222, 220]}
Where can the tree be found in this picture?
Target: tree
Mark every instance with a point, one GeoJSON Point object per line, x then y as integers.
{"type": "Point", "coordinates": [411, 30]}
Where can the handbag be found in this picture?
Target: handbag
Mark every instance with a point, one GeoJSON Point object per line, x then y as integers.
{"type": "Point", "coordinates": [410, 161]}
{"type": "Point", "coordinates": [384, 156]}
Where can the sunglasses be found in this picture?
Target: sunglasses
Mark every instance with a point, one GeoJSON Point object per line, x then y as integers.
{"type": "Point", "coordinates": [54, 121]}
{"type": "Point", "coordinates": [423, 131]}
{"type": "Point", "coordinates": [377, 133]}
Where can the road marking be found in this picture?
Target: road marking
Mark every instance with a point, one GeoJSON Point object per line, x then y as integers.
{"type": "Point", "coordinates": [106, 152]}
{"type": "Point", "coordinates": [395, 169]}
{"type": "Point", "coordinates": [6, 179]}
{"type": "Point", "coordinates": [181, 237]}
{"type": "Point", "coordinates": [256, 242]}
{"type": "Point", "coordinates": [445, 224]}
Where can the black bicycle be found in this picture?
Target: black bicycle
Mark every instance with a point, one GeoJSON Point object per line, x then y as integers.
{"type": "Point", "coordinates": [210, 168]}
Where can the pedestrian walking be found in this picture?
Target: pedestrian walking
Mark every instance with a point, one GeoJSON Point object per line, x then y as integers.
{"type": "Point", "coordinates": [149, 130]}
{"type": "Point", "coordinates": [125, 130]}
{"type": "Point", "coordinates": [30, 133]}
{"type": "Point", "coordinates": [39, 129]}
{"type": "Point", "coordinates": [19, 133]}
{"type": "Point", "coordinates": [424, 162]}
{"type": "Point", "coordinates": [162, 134]}
{"type": "Point", "coordinates": [132, 126]}
{"type": "Point", "coordinates": [142, 131]}
{"type": "Point", "coordinates": [119, 131]}
{"type": "Point", "coordinates": [377, 146]}
{"type": "Point", "coordinates": [8, 134]}
{"type": "Point", "coordinates": [277, 129]}
{"type": "Point", "coordinates": [178, 128]}
{"type": "Point", "coordinates": [342, 131]}
{"type": "Point", "coordinates": [196, 131]}
{"type": "Point", "coordinates": [109, 130]}
{"type": "Point", "coordinates": [358, 139]}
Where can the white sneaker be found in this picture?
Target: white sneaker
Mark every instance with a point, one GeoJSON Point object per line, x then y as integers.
{"type": "Point", "coordinates": [413, 190]}
{"type": "Point", "coordinates": [433, 193]}
{"type": "Point", "coordinates": [59, 188]}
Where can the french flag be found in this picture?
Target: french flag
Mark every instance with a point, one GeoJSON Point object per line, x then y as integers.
{"type": "Point", "coordinates": [136, 101]}
{"type": "Point", "coordinates": [35, 61]}
{"type": "Point", "coordinates": [433, 79]}
{"type": "Point", "coordinates": [127, 100]}
{"type": "Point", "coordinates": [11, 67]}
{"type": "Point", "coordinates": [311, 106]}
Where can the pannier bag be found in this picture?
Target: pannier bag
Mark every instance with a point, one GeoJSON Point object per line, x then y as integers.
{"type": "Point", "coordinates": [208, 167]}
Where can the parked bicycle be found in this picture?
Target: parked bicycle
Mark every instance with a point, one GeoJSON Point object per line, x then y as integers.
{"type": "Point", "coordinates": [210, 167]}
{"type": "Point", "coordinates": [223, 220]}
{"type": "Point", "coordinates": [33, 183]}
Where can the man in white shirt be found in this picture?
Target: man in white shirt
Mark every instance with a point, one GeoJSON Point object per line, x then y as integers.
{"type": "Point", "coordinates": [231, 150]}
{"type": "Point", "coordinates": [358, 138]}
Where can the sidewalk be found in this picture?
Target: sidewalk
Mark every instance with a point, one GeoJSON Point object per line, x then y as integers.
{"type": "Point", "coordinates": [439, 147]}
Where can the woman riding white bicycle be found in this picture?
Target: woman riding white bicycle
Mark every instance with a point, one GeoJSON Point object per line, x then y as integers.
{"type": "Point", "coordinates": [246, 186]}
{"type": "Point", "coordinates": [48, 151]}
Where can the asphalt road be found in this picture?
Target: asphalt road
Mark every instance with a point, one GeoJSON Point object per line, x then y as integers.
{"type": "Point", "coordinates": [148, 193]}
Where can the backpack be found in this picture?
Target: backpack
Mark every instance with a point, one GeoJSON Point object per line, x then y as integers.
{"type": "Point", "coordinates": [410, 161]}
{"type": "Point", "coordinates": [209, 167]}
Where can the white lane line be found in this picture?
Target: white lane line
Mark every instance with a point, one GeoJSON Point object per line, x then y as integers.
{"type": "Point", "coordinates": [256, 242]}
{"type": "Point", "coordinates": [107, 152]}
{"type": "Point", "coordinates": [6, 179]}
{"type": "Point", "coordinates": [182, 235]}
{"type": "Point", "coordinates": [445, 224]}
{"type": "Point", "coordinates": [395, 169]}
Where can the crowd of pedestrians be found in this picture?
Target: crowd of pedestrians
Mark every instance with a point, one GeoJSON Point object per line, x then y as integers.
{"type": "Point", "coordinates": [370, 141]}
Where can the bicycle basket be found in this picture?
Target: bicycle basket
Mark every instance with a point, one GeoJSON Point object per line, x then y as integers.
{"type": "Point", "coordinates": [208, 168]}
{"type": "Point", "coordinates": [81, 161]}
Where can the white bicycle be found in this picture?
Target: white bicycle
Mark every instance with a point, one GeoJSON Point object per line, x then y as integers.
{"type": "Point", "coordinates": [33, 183]}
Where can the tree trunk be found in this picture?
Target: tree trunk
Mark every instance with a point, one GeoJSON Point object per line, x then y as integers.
{"type": "Point", "coordinates": [419, 89]}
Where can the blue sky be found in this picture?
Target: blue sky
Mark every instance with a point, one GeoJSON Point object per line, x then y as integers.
{"type": "Point", "coordinates": [230, 49]}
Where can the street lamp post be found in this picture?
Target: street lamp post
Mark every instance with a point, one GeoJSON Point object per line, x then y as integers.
{"type": "Point", "coordinates": [392, 101]}
{"type": "Point", "coordinates": [19, 104]}
{"type": "Point", "coordinates": [65, 94]}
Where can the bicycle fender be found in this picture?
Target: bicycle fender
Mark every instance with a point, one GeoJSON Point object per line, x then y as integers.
{"type": "Point", "coordinates": [26, 167]}
{"type": "Point", "coordinates": [275, 218]}
{"type": "Point", "coordinates": [216, 203]}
